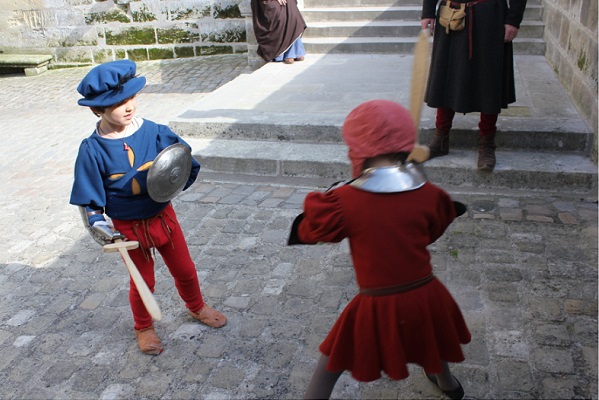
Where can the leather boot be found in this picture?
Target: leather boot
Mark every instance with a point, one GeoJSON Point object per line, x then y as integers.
{"type": "Point", "coordinates": [486, 152]}
{"type": "Point", "coordinates": [209, 316]}
{"type": "Point", "coordinates": [439, 145]}
{"type": "Point", "coordinates": [148, 341]}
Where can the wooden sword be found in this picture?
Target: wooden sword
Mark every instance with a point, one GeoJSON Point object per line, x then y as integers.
{"type": "Point", "coordinates": [146, 295]}
{"type": "Point", "coordinates": [419, 75]}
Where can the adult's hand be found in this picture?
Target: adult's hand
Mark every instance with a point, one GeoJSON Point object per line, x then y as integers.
{"type": "Point", "coordinates": [428, 23]}
{"type": "Point", "coordinates": [282, 2]}
{"type": "Point", "coordinates": [510, 33]}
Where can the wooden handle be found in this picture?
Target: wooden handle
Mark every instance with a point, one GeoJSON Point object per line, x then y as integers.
{"type": "Point", "coordinates": [144, 292]}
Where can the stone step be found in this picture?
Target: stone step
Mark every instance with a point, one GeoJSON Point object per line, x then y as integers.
{"type": "Point", "coordinates": [520, 134]}
{"type": "Point", "coordinates": [396, 45]}
{"type": "Point", "coordinates": [360, 3]}
{"type": "Point", "coordinates": [285, 120]}
{"type": "Point", "coordinates": [377, 3]}
{"type": "Point", "coordinates": [514, 170]}
{"type": "Point", "coordinates": [533, 12]}
{"type": "Point", "coordinates": [393, 28]}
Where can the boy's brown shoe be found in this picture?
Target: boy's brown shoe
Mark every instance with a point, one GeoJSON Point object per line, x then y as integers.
{"type": "Point", "coordinates": [148, 341]}
{"type": "Point", "coordinates": [209, 316]}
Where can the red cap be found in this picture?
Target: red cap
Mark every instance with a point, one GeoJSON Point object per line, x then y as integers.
{"type": "Point", "coordinates": [377, 127]}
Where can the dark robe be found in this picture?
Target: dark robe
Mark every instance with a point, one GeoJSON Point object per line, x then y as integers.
{"type": "Point", "coordinates": [484, 82]}
{"type": "Point", "coordinates": [276, 27]}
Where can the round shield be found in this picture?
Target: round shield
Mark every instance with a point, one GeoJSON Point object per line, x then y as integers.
{"type": "Point", "coordinates": [169, 173]}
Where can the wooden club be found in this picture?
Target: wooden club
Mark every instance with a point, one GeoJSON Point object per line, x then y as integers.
{"type": "Point", "coordinates": [146, 295]}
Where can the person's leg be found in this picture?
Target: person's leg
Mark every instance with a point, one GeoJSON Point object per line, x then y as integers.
{"type": "Point", "coordinates": [147, 339]}
{"type": "Point", "coordinates": [486, 141]}
{"type": "Point", "coordinates": [322, 382]}
{"type": "Point", "coordinates": [447, 382]}
{"type": "Point", "coordinates": [175, 254]}
{"type": "Point", "coordinates": [439, 145]}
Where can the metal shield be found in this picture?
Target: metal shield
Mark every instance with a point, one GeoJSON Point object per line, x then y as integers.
{"type": "Point", "coordinates": [169, 173]}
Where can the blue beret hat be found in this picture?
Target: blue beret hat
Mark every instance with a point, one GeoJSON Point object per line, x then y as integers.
{"type": "Point", "coordinates": [110, 83]}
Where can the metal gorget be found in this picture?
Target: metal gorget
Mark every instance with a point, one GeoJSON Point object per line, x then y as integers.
{"type": "Point", "coordinates": [394, 179]}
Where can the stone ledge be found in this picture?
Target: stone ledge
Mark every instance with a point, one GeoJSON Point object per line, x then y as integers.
{"type": "Point", "coordinates": [31, 64]}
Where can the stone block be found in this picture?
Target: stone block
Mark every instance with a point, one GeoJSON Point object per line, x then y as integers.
{"type": "Point", "coordinates": [31, 64]}
{"type": "Point", "coordinates": [514, 376]}
{"type": "Point", "coordinates": [103, 55]}
{"type": "Point", "coordinates": [81, 36]}
{"type": "Point", "coordinates": [559, 388]}
{"type": "Point", "coordinates": [161, 53]}
{"type": "Point", "coordinates": [511, 344]}
{"type": "Point", "coordinates": [589, 15]}
{"type": "Point", "coordinates": [69, 17]}
{"type": "Point", "coordinates": [554, 360]}
{"type": "Point", "coordinates": [552, 335]}
{"type": "Point", "coordinates": [130, 36]}
{"type": "Point", "coordinates": [566, 71]}
{"type": "Point", "coordinates": [176, 34]}
{"type": "Point", "coordinates": [144, 11]}
{"type": "Point", "coordinates": [185, 10]}
{"type": "Point", "coordinates": [112, 14]}
{"type": "Point", "coordinates": [581, 307]}
{"type": "Point", "coordinates": [137, 54]}
{"type": "Point", "coordinates": [224, 11]}
{"type": "Point", "coordinates": [224, 32]}
{"type": "Point", "coordinates": [229, 377]}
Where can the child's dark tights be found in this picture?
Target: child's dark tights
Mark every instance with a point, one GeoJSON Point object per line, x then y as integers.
{"type": "Point", "coordinates": [323, 382]}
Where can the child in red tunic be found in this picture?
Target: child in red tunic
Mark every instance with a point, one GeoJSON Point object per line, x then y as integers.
{"type": "Point", "coordinates": [403, 313]}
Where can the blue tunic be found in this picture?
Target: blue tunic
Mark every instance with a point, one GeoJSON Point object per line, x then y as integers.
{"type": "Point", "coordinates": [112, 173]}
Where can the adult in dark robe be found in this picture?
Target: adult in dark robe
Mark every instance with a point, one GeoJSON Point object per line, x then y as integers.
{"type": "Point", "coordinates": [472, 70]}
{"type": "Point", "coordinates": [278, 24]}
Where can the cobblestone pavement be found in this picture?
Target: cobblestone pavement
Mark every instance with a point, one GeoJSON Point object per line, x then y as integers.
{"type": "Point", "coordinates": [523, 267]}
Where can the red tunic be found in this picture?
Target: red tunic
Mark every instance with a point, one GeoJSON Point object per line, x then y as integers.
{"type": "Point", "coordinates": [388, 236]}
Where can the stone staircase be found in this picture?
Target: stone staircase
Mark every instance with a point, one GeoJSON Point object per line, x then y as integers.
{"type": "Point", "coordinates": [390, 27]}
{"type": "Point", "coordinates": [284, 120]}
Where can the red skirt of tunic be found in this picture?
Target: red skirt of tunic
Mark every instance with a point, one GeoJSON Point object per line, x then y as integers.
{"type": "Point", "coordinates": [384, 333]}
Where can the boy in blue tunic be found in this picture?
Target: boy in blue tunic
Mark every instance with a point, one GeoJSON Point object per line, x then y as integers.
{"type": "Point", "coordinates": [111, 178]}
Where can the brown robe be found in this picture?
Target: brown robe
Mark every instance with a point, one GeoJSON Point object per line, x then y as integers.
{"type": "Point", "coordinates": [276, 27]}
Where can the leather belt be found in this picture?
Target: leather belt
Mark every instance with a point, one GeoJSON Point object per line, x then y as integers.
{"type": "Point", "coordinates": [405, 287]}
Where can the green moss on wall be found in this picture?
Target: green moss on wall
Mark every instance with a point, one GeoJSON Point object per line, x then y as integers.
{"type": "Point", "coordinates": [161, 54]}
{"type": "Point", "coordinates": [206, 12]}
{"type": "Point", "coordinates": [228, 12]}
{"type": "Point", "coordinates": [177, 15]}
{"type": "Point", "coordinates": [102, 56]}
{"type": "Point", "coordinates": [78, 57]}
{"type": "Point", "coordinates": [582, 62]}
{"type": "Point", "coordinates": [120, 54]}
{"type": "Point", "coordinates": [184, 52]}
{"type": "Point", "coordinates": [131, 36]}
{"type": "Point", "coordinates": [213, 50]}
{"type": "Point", "coordinates": [137, 54]}
{"type": "Point", "coordinates": [143, 15]}
{"type": "Point", "coordinates": [113, 15]}
{"type": "Point", "coordinates": [226, 36]}
{"type": "Point", "coordinates": [176, 35]}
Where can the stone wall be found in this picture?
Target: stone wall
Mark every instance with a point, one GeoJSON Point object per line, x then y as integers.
{"type": "Point", "coordinates": [571, 37]}
{"type": "Point", "coordinates": [96, 31]}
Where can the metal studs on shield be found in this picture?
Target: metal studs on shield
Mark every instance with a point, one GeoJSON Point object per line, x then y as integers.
{"type": "Point", "coordinates": [169, 173]}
